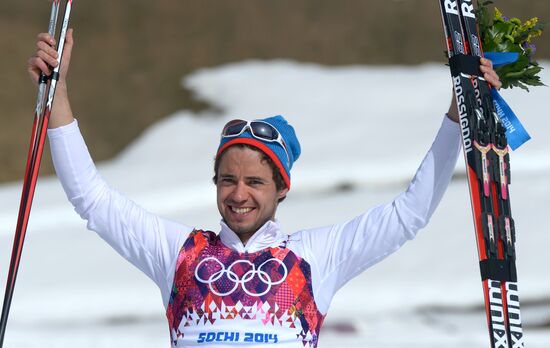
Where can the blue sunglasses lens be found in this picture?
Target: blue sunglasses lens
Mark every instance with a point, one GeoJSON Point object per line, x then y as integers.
{"type": "Point", "coordinates": [264, 131]}
{"type": "Point", "coordinates": [234, 128]}
{"type": "Point", "coordinates": [258, 129]}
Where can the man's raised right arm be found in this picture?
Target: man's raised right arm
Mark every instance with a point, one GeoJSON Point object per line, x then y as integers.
{"type": "Point", "coordinates": [146, 240]}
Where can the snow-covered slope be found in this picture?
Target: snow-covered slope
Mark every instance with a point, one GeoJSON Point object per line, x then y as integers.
{"type": "Point", "coordinates": [363, 132]}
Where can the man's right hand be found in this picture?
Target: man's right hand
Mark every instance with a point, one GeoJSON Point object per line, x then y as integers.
{"type": "Point", "coordinates": [44, 61]}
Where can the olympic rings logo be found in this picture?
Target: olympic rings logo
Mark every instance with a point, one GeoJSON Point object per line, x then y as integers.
{"type": "Point", "coordinates": [208, 274]}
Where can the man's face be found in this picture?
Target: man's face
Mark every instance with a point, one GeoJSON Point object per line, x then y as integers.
{"type": "Point", "coordinates": [246, 192]}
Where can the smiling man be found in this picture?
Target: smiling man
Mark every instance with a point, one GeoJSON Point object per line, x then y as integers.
{"type": "Point", "coordinates": [250, 284]}
{"type": "Point", "coordinates": [252, 171]}
{"type": "Point", "coordinates": [246, 192]}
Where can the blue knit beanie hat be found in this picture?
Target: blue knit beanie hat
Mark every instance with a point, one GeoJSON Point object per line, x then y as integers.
{"type": "Point", "coordinates": [272, 149]}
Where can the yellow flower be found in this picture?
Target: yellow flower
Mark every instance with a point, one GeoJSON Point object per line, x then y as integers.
{"type": "Point", "coordinates": [498, 15]}
{"type": "Point", "coordinates": [534, 34]}
{"type": "Point", "coordinates": [529, 24]}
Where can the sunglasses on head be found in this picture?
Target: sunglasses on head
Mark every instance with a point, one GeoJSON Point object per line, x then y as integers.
{"type": "Point", "coordinates": [258, 129]}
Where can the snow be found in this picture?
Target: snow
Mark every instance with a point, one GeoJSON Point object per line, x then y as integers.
{"type": "Point", "coordinates": [363, 131]}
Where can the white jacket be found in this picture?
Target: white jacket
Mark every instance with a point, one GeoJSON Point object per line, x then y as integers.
{"type": "Point", "coordinates": [335, 254]}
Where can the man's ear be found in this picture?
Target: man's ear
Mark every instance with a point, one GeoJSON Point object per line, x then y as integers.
{"type": "Point", "coordinates": [282, 193]}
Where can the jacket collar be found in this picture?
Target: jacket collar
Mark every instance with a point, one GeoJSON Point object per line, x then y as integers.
{"type": "Point", "coordinates": [268, 235]}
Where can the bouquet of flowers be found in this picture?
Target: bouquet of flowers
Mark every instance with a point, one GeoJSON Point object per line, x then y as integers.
{"type": "Point", "coordinates": [502, 34]}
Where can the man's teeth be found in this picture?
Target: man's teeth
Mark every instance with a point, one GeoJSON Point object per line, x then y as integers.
{"type": "Point", "coordinates": [241, 210]}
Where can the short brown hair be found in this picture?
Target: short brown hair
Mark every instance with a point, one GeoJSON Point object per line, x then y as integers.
{"type": "Point", "coordinates": [277, 177]}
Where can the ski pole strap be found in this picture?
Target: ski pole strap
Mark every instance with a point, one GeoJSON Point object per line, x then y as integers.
{"type": "Point", "coordinates": [43, 79]}
{"type": "Point", "coordinates": [516, 134]}
{"type": "Point", "coordinates": [500, 270]}
{"type": "Point", "coordinates": [464, 64]}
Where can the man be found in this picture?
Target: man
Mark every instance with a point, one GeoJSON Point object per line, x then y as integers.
{"type": "Point", "coordinates": [250, 284]}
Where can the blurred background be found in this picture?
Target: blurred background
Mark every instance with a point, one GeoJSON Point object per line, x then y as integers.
{"type": "Point", "coordinates": [152, 83]}
{"type": "Point", "coordinates": [130, 56]}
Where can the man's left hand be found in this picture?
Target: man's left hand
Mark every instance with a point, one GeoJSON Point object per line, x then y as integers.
{"type": "Point", "coordinates": [489, 74]}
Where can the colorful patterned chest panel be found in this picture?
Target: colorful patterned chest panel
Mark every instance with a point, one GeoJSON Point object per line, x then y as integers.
{"type": "Point", "coordinates": [221, 297]}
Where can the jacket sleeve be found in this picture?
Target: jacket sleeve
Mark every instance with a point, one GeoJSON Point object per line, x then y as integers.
{"type": "Point", "coordinates": [144, 239]}
{"type": "Point", "coordinates": [342, 251]}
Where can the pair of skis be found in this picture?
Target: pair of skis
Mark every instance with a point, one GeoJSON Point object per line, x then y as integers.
{"type": "Point", "coordinates": [488, 170]}
{"type": "Point", "coordinates": [44, 104]}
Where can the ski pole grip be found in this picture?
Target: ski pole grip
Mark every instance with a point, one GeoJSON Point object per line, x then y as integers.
{"type": "Point", "coordinates": [465, 64]}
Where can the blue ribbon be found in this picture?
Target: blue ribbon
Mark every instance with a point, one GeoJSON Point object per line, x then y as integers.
{"type": "Point", "coordinates": [502, 58]}
{"type": "Point", "coordinates": [515, 132]}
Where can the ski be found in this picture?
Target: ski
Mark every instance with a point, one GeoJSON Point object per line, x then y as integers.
{"type": "Point", "coordinates": [500, 163]}
{"type": "Point", "coordinates": [488, 170]}
{"type": "Point", "coordinates": [44, 104]}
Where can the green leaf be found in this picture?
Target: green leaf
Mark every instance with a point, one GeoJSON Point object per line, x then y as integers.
{"type": "Point", "coordinates": [500, 34]}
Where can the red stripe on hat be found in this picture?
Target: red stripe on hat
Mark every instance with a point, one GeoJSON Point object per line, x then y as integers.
{"type": "Point", "coordinates": [258, 144]}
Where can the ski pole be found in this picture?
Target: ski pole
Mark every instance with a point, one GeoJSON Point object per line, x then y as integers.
{"type": "Point", "coordinates": [34, 157]}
